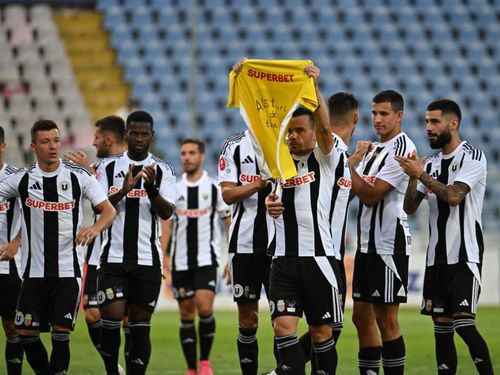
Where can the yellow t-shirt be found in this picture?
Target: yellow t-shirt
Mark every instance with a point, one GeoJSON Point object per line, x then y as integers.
{"type": "Point", "coordinates": [267, 93]}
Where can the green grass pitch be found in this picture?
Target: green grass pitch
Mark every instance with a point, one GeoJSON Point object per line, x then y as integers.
{"type": "Point", "coordinates": [167, 356]}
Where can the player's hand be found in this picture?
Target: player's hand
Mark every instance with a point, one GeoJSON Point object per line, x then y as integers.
{"type": "Point", "coordinates": [237, 67]}
{"type": "Point", "coordinates": [274, 205]}
{"type": "Point", "coordinates": [149, 173]}
{"type": "Point", "coordinates": [80, 158]}
{"type": "Point", "coordinates": [362, 148]}
{"type": "Point", "coordinates": [262, 183]}
{"type": "Point", "coordinates": [313, 71]}
{"type": "Point", "coordinates": [9, 250]}
{"type": "Point", "coordinates": [86, 235]}
{"type": "Point", "coordinates": [411, 164]}
{"type": "Point", "coordinates": [226, 275]}
{"type": "Point", "coordinates": [130, 181]}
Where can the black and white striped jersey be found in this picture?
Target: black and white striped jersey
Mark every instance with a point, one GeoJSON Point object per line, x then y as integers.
{"type": "Point", "coordinates": [52, 216]}
{"type": "Point", "coordinates": [340, 198]}
{"type": "Point", "coordinates": [10, 223]}
{"type": "Point", "coordinates": [383, 228]}
{"type": "Point", "coordinates": [237, 164]}
{"type": "Point", "coordinates": [304, 229]}
{"type": "Point", "coordinates": [135, 234]}
{"type": "Point", "coordinates": [196, 233]}
{"type": "Point", "coordinates": [456, 233]}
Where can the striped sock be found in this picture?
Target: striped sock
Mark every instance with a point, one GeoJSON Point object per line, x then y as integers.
{"type": "Point", "coordinates": [393, 356]}
{"type": "Point", "coordinates": [446, 352]}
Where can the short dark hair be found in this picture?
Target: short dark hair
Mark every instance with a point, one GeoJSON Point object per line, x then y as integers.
{"type": "Point", "coordinates": [447, 107]}
{"type": "Point", "coordinates": [340, 103]}
{"type": "Point", "coordinates": [2, 135]}
{"type": "Point", "coordinates": [140, 116]}
{"type": "Point", "coordinates": [199, 143]}
{"type": "Point", "coordinates": [42, 125]}
{"type": "Point", "coordinates": [113, 124]}
{"type": "Point", "coordinates": [303, 111]}
{"type": "Point", "coordinates": [391, 96]}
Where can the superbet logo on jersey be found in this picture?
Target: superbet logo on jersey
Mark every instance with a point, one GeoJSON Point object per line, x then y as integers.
{"type": "Point", "coordinates": [134, 193]}
{"type": "Point", "coordinates": [299, 180]}
{"type": "Point", "coordinates": [344, 183]}
{"type": "Point", "coordinates": [370, 180]}
{"type": "Point", "coordinates": [50, 206]}
{"type": "Point", "coordinates": [249, 177]}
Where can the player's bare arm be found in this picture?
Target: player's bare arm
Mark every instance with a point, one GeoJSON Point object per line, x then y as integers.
{"type": "Point", "coordinates": [166, 229]}
{"type": "Point", "coordinates": [368, 194]}
{"type": "Point", "coordinates": [413, 197]}
{"type": "Point", "coordinates": [413, 167]}
{"type": "Point", "coordinates": [452, 195]}
{"type": "Point", "coordinates": [128, 184]}
{"type": "Point", "coordinates": [323, 131]}
{"type": "Point", "coordinates": [232, 193]}
{"type": "Point", "coordinates": [107, 215]}
{"type": "Point", "coordinates": [10, 249]}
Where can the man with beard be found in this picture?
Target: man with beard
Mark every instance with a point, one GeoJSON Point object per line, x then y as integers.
{"type": "Point", "coordinates": [453, 182]}
{"type": "Point", "coordinates": [195, 250]}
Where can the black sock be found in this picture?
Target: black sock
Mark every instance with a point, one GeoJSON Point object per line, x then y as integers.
{"type": "Point", "coordinates": [369, 359]}
{"type": "Point", "coordinates": [446, 352]}
{"type": "Point", "coordinates": [206, 330]}
{"type": "Point", "coordinates": [95, 334]}
{"type": "Point", "coordinates": [293, 361]}
{"type": "Point", "coordinates": [466, 328]}
{"type": "Point", "coordinates": [276, 352]}
{"type": "Point", "coordinates": [14, 356]}
{"type": "Point", "coordinates": [36, 355]}
{"type": "Point", "coordinates": [187, 334]}
{"type": "Point", "coordinates": [110, 344]}
{"type": "Point", "coordinates": [306, 345]}
{"type": "Point", "coordinates": [59, 358]}
{"type": "Point", "coordinates": [325, 355]}
{"type": "Point", "coordinates": [126, 346]}
{"type": "Point", "coordinates": [336, 331]}
{"type": "Point", "coordinates": [248, 351]}
{"type": "Point", "coordinates": [393, 356]}
{"type": "Point", "coordinates": [140, 347]}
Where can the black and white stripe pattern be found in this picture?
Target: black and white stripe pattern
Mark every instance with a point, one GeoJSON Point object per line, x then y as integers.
{"type": "Point", "coordinates": [249, 228]}
{"type": "Point", "coordinates": [10, 223]}
{"type": "Point", "coordinates": [196, 232]}
{"type": "Point", "coordinates": [135, 234]}
{"type": "Point", "coordinates": [456, 233]}
{"type": "Point", "coordinates": [52, 216]}
{"type": "Point", "coordinates": [383, 228]}
{"type": "Point", "coordinates": [389, 286]}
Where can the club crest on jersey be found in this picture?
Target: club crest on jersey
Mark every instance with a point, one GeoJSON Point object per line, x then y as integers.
{"type": "Point", "coordinates": [344, 183]}
{"type": "Point", "coordinates": [454, 167]}
{"type": "Point", "coordinates": [222, 163]}
{"type": "Point", "coordinates": [64, 186]}
{"type": "Point", "coordinates": [4, 206]}
{"type": "Point", "coordinates": [299, 180]}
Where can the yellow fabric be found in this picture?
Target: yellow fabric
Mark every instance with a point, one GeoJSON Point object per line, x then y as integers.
{"type": "Point", "coordinates": [267, 92]}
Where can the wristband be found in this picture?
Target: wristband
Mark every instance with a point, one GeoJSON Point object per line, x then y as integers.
{"type": "Point", "coordinates": [152, 191]}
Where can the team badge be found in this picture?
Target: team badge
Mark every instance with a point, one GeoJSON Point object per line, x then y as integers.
{"type": "Point", "coordinates": [237, 290]}
{"type": "Point", "coordinates": [271, 307]}
{"type": "Point", "coordinates": [280, 305]}
{"type": "Point", "coordinates": [454, 167]}
{"type": "Point", "coordinates": [109, 293]}
{"type": "Point", "coordinates": [19, 318]}
{"type": "Point", "coordinates": [64, 186]}
{"type": "Point", "coordinates": [28, 320]}
{"type": "Point", "coordinates": [101, 297]}
{"type": "Point", "coordinates": [222, 163]}
{"type": "Point", "coordinates": [205, 196]}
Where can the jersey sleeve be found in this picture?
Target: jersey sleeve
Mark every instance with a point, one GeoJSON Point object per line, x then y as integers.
{"type": "Point", "coordinates": [391, 172]}
{"type": "Point", "coordinates": [167, 184]}
{"type": "Point", "coordinates": [93, 191]}
{"type": "Point", "coordinates": [473, 169]}
{"type": "Point", "coordinates": [9, 187]}
{"type": "Point", "coordinates": [227, 171]}
{"type": "Point", "coordinates": [101, 176]}
{"type": "Point", "coordinates": [223, 209]}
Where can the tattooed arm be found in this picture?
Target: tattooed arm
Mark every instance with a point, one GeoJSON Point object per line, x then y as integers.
{"type": "Point", "coordinates": [453, 194]}
{"type": "Point", "coordinates": [413, 197]}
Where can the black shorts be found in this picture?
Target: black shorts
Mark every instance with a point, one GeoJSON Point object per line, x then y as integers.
{"type": "Point", "coordinates": [186, 283]}
{"type": "Point", "coordinates": [138, 285]}
{"type": "Point", "coordinates": [90, 288]}
{"type": "Point", "coordinates": [298, 285]}
{"type": "Point", "coordinates": [342, 282]}
{"type": "Point", "coordinates": [44, 301]}
{"type": "Point", "coordinates": [375, 279]}
{"type": "Point", "coordinates": [10, 285]}
{"type": "Point", "coordinates": [249, 273]}
{"type": "Point", "coordinates": [451, 289]}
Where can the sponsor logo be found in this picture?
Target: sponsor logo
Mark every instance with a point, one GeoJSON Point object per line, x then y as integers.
{"type": "Point", "coordinates": [326, 316]}
{"type": "Point", "coordinates": [280, 305]}
{"type": "Point", "coordinates": [68, 316]}
{"type": "Point", "coordinates": [28, 320]}
{"type": "Point", "coordinates": [109, 293]}
{"type": "Point", "coordinates": [247, 160]}
{"type": "Point", "coordinates": [152, 303]}
{"type": "Point", "coordinates": [238, 290]}
{"type": "Point", "coordinates": [222, 163]}
{"type": "Point", "coordinates": [137, 361]}
{"type": "Point", "coordinates": [134, 193]}
{"type": "Point", "coordinates": [194, 212]}
{"type": "Point", "coordinates": [36, 186]}
{"type": "Point", "coordinates": [249, 177]}
{"type": "Point", "coordinates": [356, 295]}
{"type": "Point", "coordinates": [15, 361]}
{"type": "Point", "coordinates": [344, 183]}
{"type": "Point", "coordinates": [120, 174]}
{"type": "Point", "coordinates": [464, 303]}
{"type": "Point", "coordinates": [443, 367]}
{"type": "Point", "coordinates": [4, 206]}
{"type": "Point", "coordinates": [211, 283]}
{"type": "Point", "coordinates": [246, 360]}
{"type": "Point", "coordinates": [478, 360]}
{"type": "Point", "coordinates": [402, 292]}
{"type": "Point", "coordinates": [273, 77]}
{"type": "Point", "coordinates": [50, 206]}
{"type": "Point", "coordinates": [376, 293]}
{"type": "Point", "coordinates": [181, 198]}
{"type": "Point", "coordinates": [300, 180]}
{"type": "Point", "coordinates": [370, 180]}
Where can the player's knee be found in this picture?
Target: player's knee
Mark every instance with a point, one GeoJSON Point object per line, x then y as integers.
{"type": "Point", "coordinates": [205, 310]}
{"type": "Point", "coordinates": [28, 332]}
{"type": "Point", "coordinates": [361, 320]}
{"type": "Point", "coordinates": [320, 333]}
{"type": "Point", "coordinates": [285, 326]}
{"type": "Point", "coordinates": [59, 328]}
{"type": "Point", "coordinates": [92, 315]}
{"type": "Point", "coordinates": [248, 316]}
{"type": "Point", "coordinates": [9, 327]}
{"type": "Point", "coordinates": [388, 324]}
